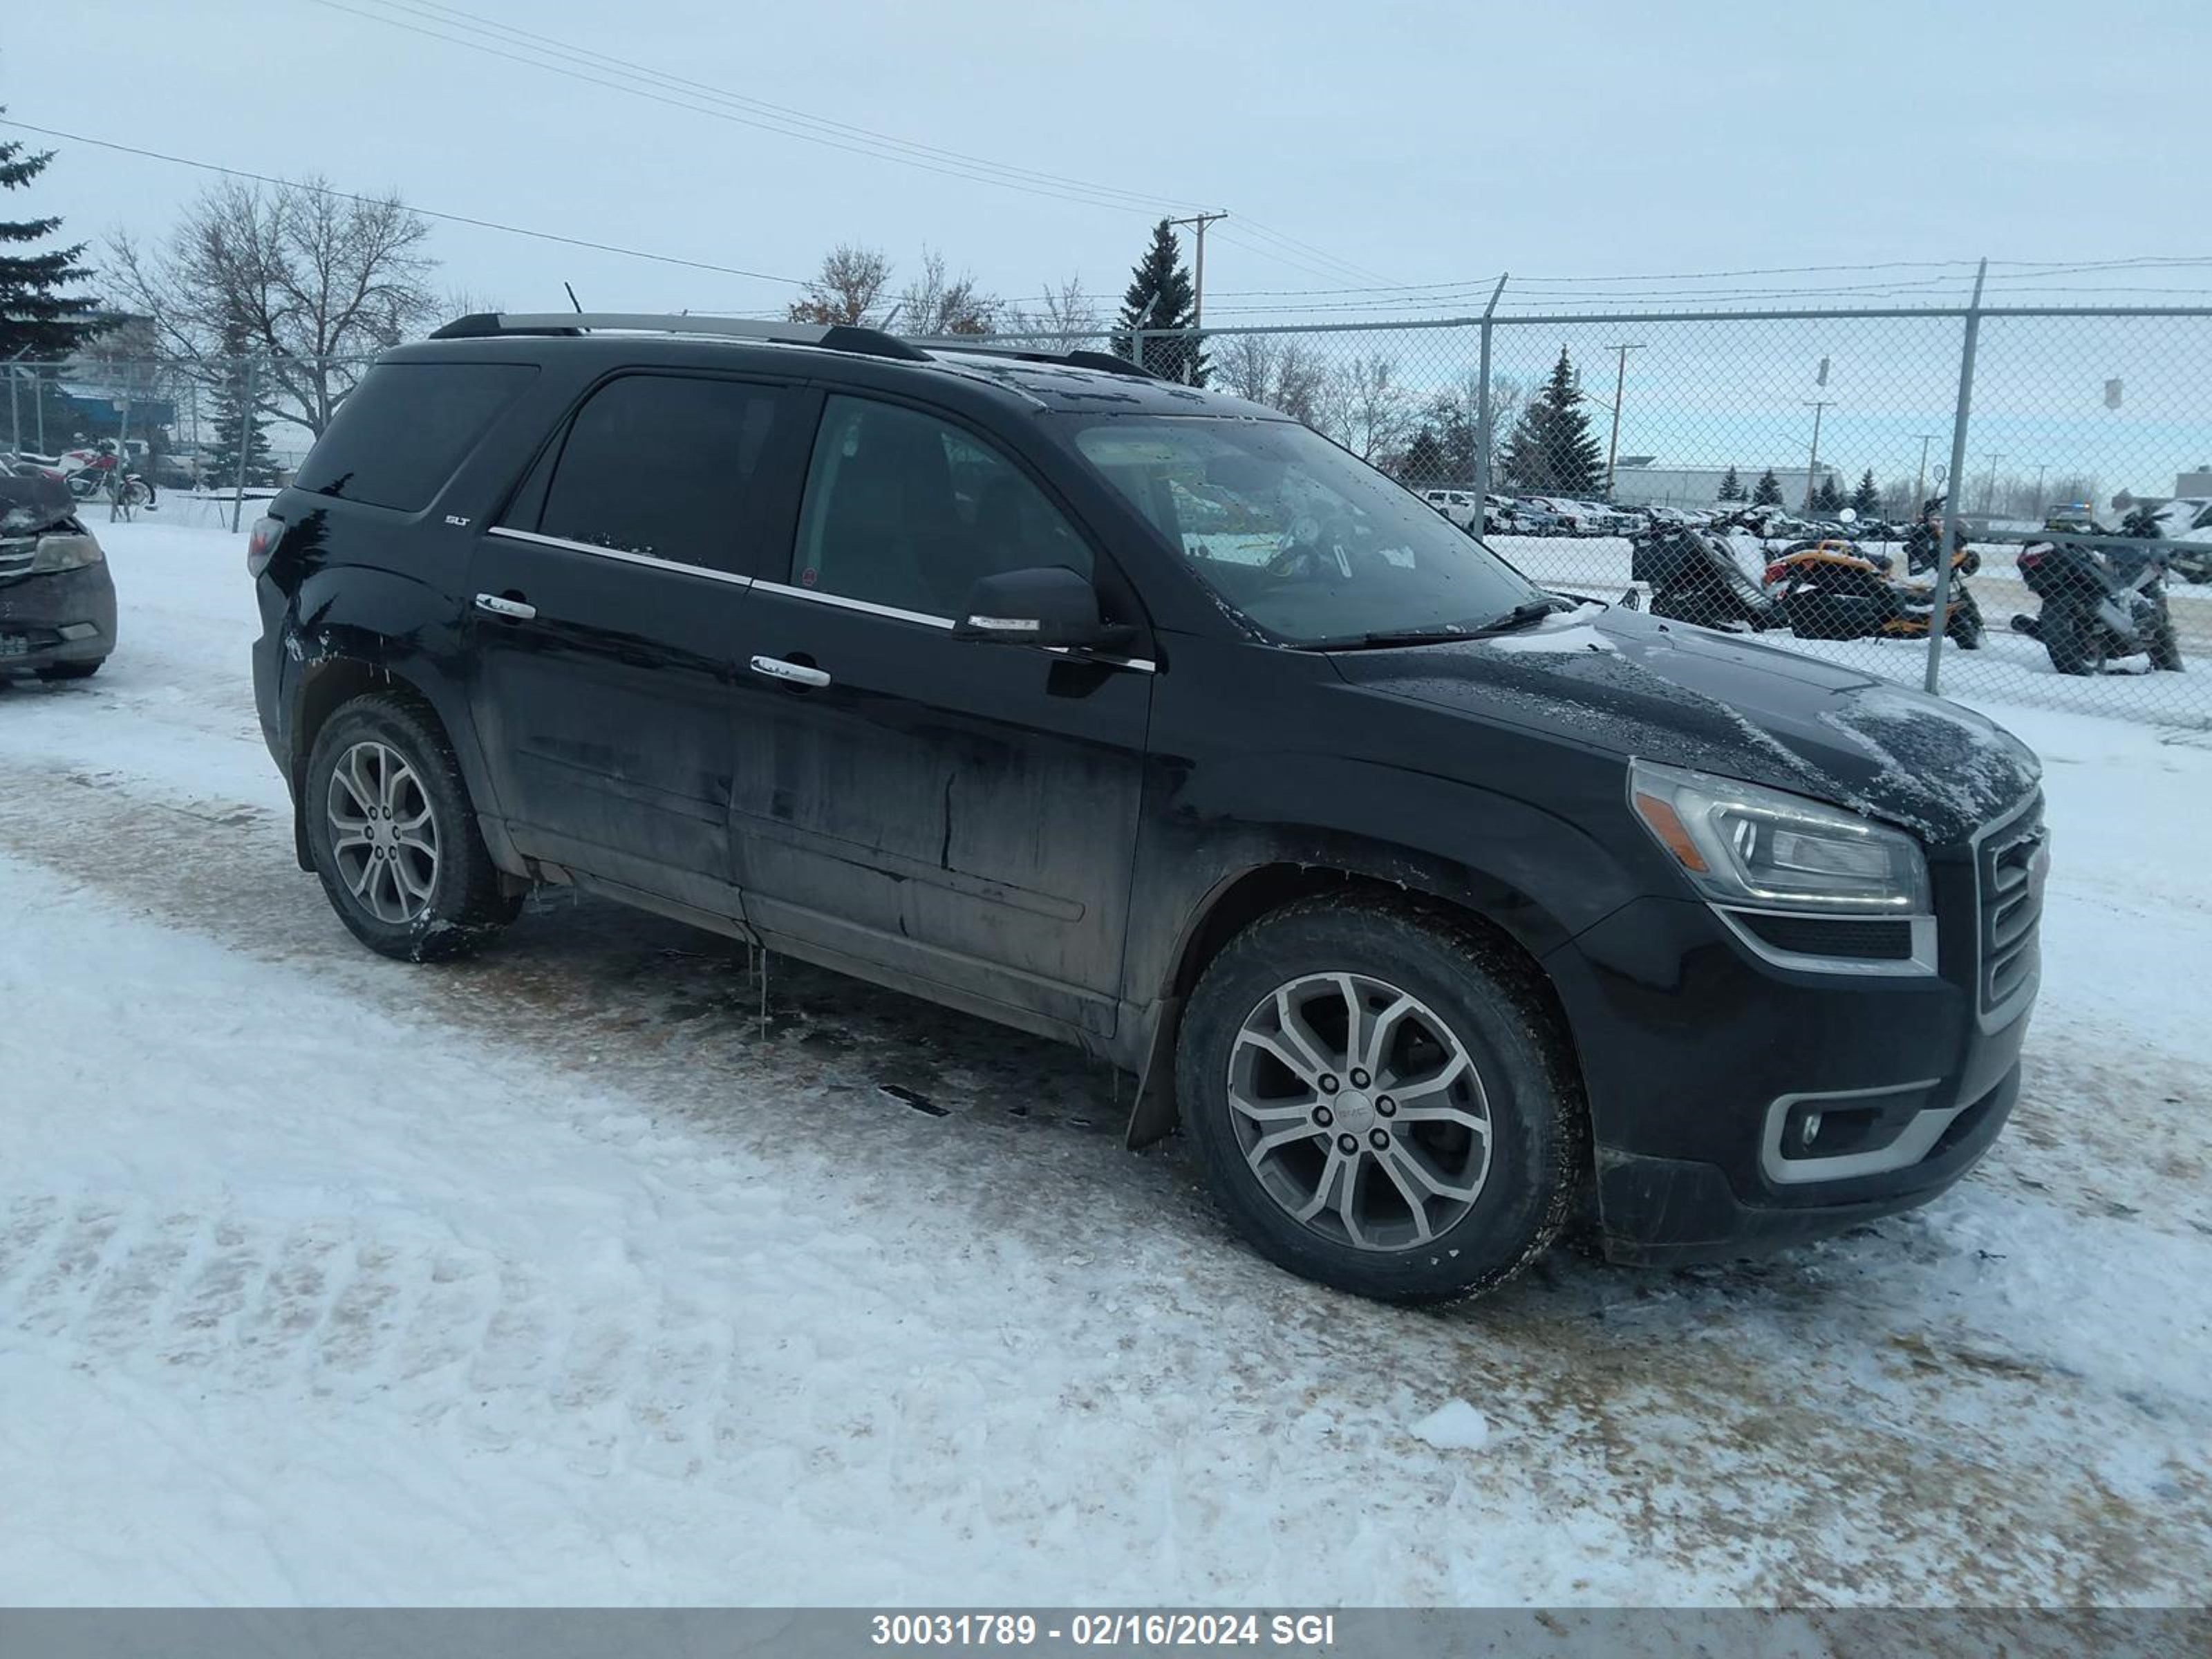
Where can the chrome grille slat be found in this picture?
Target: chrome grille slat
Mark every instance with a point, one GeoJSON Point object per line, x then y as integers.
{"type": "Point", "coordinates": [2010, 910]}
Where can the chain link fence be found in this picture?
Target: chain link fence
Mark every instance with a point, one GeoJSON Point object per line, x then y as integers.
{"type": "Point", "coordinates": [1794, 475]}
{"type": "Point", "coordinates": [1766, 472]}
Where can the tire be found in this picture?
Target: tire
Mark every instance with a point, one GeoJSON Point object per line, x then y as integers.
{"type": "Point", "coordinates": [2165, 645]}
{"type": "Point", "coordinates": [70, 671]}
{"type": "Point", "coordinates": [395, 896]}
{"type": "Point", "coordinates": [2073, 642]}
{"type": "Point", "coordinates": [1503, 1197]}
{"type": "Point", "coordinates": [1965, 631]}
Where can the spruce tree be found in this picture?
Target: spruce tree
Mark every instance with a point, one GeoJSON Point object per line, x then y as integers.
{"type": "Point", "coordinates": [1160, 296]}
{"type": "Point", "coordinates": [38, 320]}
{"type": "Point", "coordinates": [1552, 452]}
{"type": "Point", "coordinates": [238, 425]}
{"type": "Point", "coordinates": [1767, 492]}
{"type": "Point", "coordinates": [1731, 488]}
{"type": "Point", "coordinates": [1828, 498]}
{"type": "Point", "coordinates": [1866, 500]}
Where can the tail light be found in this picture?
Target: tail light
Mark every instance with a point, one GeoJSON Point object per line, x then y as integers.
{"type": "Point", "coordinates": [261, 546]}
{"type": "Point", "coordinates": [2031, 558]}
{"type": "Point", "coordinates": [1776, 571]}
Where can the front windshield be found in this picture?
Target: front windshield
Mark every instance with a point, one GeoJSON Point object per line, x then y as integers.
{"type": "Point", "coordinates": [1297, 535]}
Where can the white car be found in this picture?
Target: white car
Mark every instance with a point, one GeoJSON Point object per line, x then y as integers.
{"type": "Point", "coordinates": [1457, 505]}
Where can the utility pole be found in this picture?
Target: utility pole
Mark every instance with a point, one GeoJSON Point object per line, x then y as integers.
{"type": "Point", "coordinates": [1920, 482]}
{"type": "Point", "coordinates": [1989, 481]}
{"type": "Point", "coordinates": [1198, 221]}
{"type": "Point", "coordinates": [1818, 406]}
{"type": "Point", "coordinates": [1619, 381]}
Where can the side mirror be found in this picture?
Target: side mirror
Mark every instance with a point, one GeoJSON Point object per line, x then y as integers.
{"type": "Point", "coordinates": [1049, 606]}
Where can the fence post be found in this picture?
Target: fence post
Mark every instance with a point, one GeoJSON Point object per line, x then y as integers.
{"type": "Point", "coordinates": [245, 445]}
{"type": "Point", "coordinates": [1949, 540]}
{"type": "Point", "coordinates": [1482, 418]}
{"type": "Point", "coordinates": [119, 481]}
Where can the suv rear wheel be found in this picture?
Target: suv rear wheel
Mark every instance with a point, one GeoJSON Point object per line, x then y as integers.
{"type": "Point", "coordinates": [1381, 1103]}
{"type": "Point", "coordinates": [392, 835]}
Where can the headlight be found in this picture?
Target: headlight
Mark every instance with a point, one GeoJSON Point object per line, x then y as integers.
{"type": "Point", "coordinates": [1742, 844]}
{"type": "Point", "coordinates": [72, 552]}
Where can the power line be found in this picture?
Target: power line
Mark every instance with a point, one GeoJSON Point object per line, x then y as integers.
{"type": "Point", "coordinates": [427, 213]}
{"type": "Point", "coordinates": [658, 86]}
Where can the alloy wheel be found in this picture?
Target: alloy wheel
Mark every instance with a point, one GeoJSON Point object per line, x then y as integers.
{"type": "Point", "coordinates": [1359, 1111]}
{"type": "Point", "coordinates": [384, 838]}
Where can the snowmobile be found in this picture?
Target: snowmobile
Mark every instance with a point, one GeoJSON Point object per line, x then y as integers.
{"type": "Point", "coordinates": [1694, 578]}
{"type": "Point", "coordinates": [1836, 589]}
{"type": "Point", "coordinates": [2098, 604]}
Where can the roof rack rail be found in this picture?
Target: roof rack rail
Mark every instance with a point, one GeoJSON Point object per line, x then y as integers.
{"type": "Point", "coordinates": [1104, 361]}
{"type": "Point", "coordinates": [834, 337]}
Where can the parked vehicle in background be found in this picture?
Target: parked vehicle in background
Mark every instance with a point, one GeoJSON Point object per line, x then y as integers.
{"type": "Point", "coordinates": [1456, 505]}
{"type": "Point", "coordinates": [100, 471]}
{"type": "Point", "coordinates": [56, 599]}
{"type": "Point", "coordinates": [2099, 604]}
{"type": "Point", "coordinates": [1831, 589]}
{"type": "Point", "coordinates": [1424, 900]}
{"type": "Point", "coordinates": [1694, 577]}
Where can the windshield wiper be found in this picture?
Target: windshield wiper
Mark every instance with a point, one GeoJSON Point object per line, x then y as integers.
{"type": "Point", "coordinates": [1523, 615]}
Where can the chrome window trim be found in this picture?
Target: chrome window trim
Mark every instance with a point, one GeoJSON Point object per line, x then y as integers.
{"type": "Point", "coordinates": [1920, 964]}
{"type": "Point", "coordinates": [621, 555]}
{"type": "Point", "coordinates": [869, 607]}
{"type": "Point", "coordinates": [1926, 1128]}
{"type": "Point", "coordinates": [845, 602]}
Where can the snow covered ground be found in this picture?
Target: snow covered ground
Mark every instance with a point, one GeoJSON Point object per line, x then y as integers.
{"type": "Point", "coordinates": [561, 1276]}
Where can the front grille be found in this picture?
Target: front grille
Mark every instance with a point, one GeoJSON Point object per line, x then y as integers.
{"type": "Point", "coordinates": [1847, 938]}
{"type": "Point", "coordinates": [2011, 906]}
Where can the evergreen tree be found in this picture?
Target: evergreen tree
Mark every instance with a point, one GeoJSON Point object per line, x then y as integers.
{"type": "Point", "coordinates": [1767, 492]}
{"type": "Point", "coordinates": [1731, 488]}
{"type": "Point", "coordinates": [1160, 296]}
{"type": "Point", "coordinates": [1866, 500]}
{"type": "Point", "coordinates": [1827, 498]}
{"type": "Point", "coordinates": [1441, 450]}
{"type": "Point", "coordinates": [38, 320]}
{"type": "Point", "coordinates": [238, 425]}
{"type": "Point", "coordinates": [1552, 452]}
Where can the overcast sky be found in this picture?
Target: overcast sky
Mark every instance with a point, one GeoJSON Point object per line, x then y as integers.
{"type": "Point", "coordinates": [1388, 143]}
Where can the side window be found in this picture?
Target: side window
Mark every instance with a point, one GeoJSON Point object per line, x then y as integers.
{"type": "Point", "coordinates": [402, 433]}
{"type": "Point", "coordinates": [660, 464]}
{"type": "Point", "coordinates": [905, 510]}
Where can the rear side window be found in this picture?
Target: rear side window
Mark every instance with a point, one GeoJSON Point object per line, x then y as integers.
{"type": "Point", "coordinates": [661, 464]}
{"type": "Point", "coordinates": [406, 429]}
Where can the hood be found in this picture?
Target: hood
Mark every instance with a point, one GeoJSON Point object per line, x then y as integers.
{"type": "Point", "coordinates": [31, 501]}
{"type": "Point", "coordinates": [1723, 703]}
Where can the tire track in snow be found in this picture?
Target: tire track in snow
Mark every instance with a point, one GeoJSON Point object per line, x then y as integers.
{"type": "Point", "coordinates": [1637, 1397]}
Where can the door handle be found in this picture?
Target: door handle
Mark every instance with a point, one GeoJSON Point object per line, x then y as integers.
{"type": "Point", "coordinates": [505, 607]}
{"type": "Point", "coordinates": [792, 673]}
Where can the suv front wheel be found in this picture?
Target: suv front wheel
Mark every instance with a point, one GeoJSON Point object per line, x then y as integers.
{"type": "Point", "coordinates": [392, 835]}
{"type": "Point", "coordinates": [1381, 1102]}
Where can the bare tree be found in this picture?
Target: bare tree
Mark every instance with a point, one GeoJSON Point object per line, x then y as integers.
{"type": "Point", "coordinates": [935, 303]}
{"type": "Point", "coordinates": [1364, 406]}
{"type": "Point", "coordinates": [1270, 369]}
{"type": "Point", "coordinates": [850, 282]}
{"type": "Point", "coordinates": [312, 282]}
{"type": "Point", "coordinates": [1068, 319]}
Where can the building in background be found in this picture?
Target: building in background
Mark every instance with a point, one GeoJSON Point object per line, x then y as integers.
{"type": "Point", "coordinates": [1639, 481]}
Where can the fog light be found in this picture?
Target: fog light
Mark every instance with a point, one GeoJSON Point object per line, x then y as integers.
{"type": "Point", "coordinates": [78, 630]}
{"type": "Point", "coordinates": [1809, 1129]}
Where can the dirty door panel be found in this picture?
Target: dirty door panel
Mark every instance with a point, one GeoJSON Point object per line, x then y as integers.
{"type": "Point", "coordinates": [606, 712]}
{"type": "Point", "coordinates": [963, 812]}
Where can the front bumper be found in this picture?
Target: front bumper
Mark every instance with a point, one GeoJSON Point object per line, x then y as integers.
{"type": "Point", "coordinates": [55, 616]}
{"type": "Point", "coordinates": [1739, 1107]}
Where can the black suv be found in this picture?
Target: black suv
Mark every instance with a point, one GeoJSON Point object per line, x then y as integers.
{"type": "Point", "coordinates": [1427, 902]}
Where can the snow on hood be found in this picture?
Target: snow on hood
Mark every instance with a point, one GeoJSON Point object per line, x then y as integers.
{"type": "Point", "coordinates": [1730, 705]}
